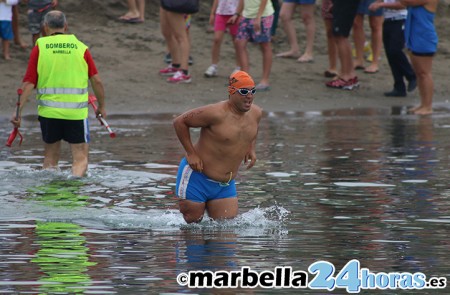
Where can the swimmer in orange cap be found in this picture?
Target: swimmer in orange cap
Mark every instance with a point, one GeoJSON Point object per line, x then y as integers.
{"type": "Point", "coordinates": [205, 180]}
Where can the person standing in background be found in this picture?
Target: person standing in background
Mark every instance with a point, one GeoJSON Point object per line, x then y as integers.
{"type": "Point", "coordinates": [60, 67]}
{"type": "Point", "coordinates": [173, 28]}
{"type": "Point", "coordinates": [6, 29]}
{"type": "Point", "coordinates": [37, 9]}
{"type": "Point", "coordinates": [421, 41]}
{"type": "Point", "coordinates": [15, 23]}
{"type": "Point", "coordinates": [394, 43]}
{"type": "Point", "coordinates": [255, 26]}
{"type": "Point", "coordinates": [307, 8]}
{"type": "Point", "coordinates": [344, 12]}
{"type": "Point", "coordinates": [327, 16]}
{"type": "Point", "coordinates": [135, 13]}
{"type": "Point", "coordinates": [221, 12]}
{"type": "Point", "coordinates": [376, 24]}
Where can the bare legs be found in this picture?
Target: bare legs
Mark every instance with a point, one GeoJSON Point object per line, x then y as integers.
{"type": "Point", "coordinates": [136, 10]}
{"type": "Point", "coordinates": [345, 56]}
{"type": "Point", "coordinates": [332, 49]}
{"type": "Point", "coordinates": [266, 49]}
{"type": "Point", "coordinates": [217, 209]}
{"type": "Point", "coordinates": [173, 28]}
{"type": "Point", "coordinates": [376, 25]}
{"type": "Point", "coordinates": [422, 67]}
{"type": "Point", "coordinates": [52, 153]}
{"type": "Point", "coordinates": [15, 25]}
{"type": "Point", "coordinates": [307, 14]}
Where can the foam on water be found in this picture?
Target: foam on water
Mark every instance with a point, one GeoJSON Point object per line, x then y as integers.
{"type": "Point", "coordinates": [273, 217]}
{"type": "Point", "coordinates": [363, 184]}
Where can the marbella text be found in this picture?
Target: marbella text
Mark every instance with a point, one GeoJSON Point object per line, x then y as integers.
{"type": "Point", "coordinates": [351, 277]}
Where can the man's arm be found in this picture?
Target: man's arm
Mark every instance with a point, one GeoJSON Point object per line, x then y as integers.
{"type": "Point", "coordinates": [27, 88]}
{"type": "Point", "coordinates": [250, 157]}
{"type": "Point", "coordinates": [97, 86]}
{"type": "Point", "coordinates": [201, 117]}
{"type": "Point", "coordinates": [380, 4]}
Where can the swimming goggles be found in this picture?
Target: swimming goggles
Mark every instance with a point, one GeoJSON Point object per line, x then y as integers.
{"type": "Point", "coordinates": [245, 91]}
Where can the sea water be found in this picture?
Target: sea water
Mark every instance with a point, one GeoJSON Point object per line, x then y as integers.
{"type": "Point", "coordinates": [332, 186]}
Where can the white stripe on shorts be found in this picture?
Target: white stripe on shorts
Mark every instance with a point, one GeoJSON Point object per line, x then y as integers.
{"type": "Point", "coordinates": [184, 181]}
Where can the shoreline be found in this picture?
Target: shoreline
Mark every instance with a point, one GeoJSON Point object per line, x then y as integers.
{"type": "Point", "coordinates": [129, 56]}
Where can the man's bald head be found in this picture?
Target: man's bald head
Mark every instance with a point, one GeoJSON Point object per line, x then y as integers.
{"type": "Point", "coordinates": [55, 20]}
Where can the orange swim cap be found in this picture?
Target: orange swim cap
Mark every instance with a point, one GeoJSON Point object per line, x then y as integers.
{"type": "Point", "coordinates": [240, 79]}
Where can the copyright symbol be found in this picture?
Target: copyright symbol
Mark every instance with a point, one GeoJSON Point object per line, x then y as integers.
{"type": "Point", "coordinates": [182, 279]}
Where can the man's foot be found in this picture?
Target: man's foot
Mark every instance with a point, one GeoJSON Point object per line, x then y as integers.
{"type": "Point", "coordinates": [179, 77]}
{"type": "Point", "coordinates": [211, 71]}
{"type": "Point", "coordinates": [305, 58]}
{"type": "Point", "coordinates": [372, 69]}
{"type": "Point", "coordinates": [421, 111]}
{"type": "Point", "coordinates": [395, 93]}
{"type": "Point", "coordinates": [412, 85]}
{"type": "Point", "coordinates": [21, 44]}
{"type": "Point", "coordinates": [7, 57]}
{"type": "Point", "coordinates": [127, 16]}
{"type": "Point", "coordinates": [343, 84]}
{"type": "Point", "coordinates": [288, 54]}
{"type": "Point", "coordinates": [168, 71]}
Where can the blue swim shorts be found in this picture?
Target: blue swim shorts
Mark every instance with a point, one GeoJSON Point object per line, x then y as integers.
{"type": "Point", "coordinates": [195, 186]}
{"type": "Point", "coordinates": [6, 32]}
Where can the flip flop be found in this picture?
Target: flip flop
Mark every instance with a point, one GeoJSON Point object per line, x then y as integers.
{"type": "Point", "coordinates": [134, 20]}
{"type": "Point", "coordinates": [262, 87]}
{"type": "Point", "coordinates": [359, 68]}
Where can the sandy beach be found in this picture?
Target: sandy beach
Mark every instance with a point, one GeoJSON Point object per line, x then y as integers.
{"type": "Point", "coordinates": [128, 57]}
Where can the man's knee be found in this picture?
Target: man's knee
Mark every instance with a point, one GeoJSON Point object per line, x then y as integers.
{"type": "Point", "coordinates": [191, 218]}
{"type": "Point", "coordinates": [192, 211]}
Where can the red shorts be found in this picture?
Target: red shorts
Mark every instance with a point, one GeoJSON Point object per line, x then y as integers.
{"type": "Point", "coordinates": [220, 24]}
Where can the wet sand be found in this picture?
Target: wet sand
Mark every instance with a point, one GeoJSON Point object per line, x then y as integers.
{"type": "Point", "coordinates": [129, 56]}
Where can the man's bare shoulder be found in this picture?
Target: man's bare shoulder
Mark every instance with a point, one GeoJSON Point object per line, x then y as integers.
{"type": "Point", "coordinates": [257, 110]}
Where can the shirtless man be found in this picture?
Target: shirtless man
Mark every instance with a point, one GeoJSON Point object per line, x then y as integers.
{"type": "Point", "coordinates": [205, 179]}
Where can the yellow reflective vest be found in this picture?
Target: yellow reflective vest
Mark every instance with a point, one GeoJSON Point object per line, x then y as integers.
{"type": "Point", "coordinates": [62, 87]}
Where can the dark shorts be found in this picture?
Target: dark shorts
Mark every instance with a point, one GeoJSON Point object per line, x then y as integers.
{"type": "Point", "coordinates": [6, 32]}
{"type": "Point", "coordinates": [36, 19]}
{"type": "Point", "coordinates": [422, 53]}
{"type": "Point", "coordinates": [344, 12]}
{"type": "Point", "coordinates": [72, 131]}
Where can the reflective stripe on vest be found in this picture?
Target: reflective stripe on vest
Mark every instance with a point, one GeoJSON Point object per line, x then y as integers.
{"type": "Point", "coordinates": [62, 90]}
{"type": "Point", "coordinates": [62, 105]}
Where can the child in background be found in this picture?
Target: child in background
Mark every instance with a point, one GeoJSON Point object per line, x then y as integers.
{"type": "Point", "coordinates": [37, 9]}
{"type": "Point", "coordinates": [6, 32]}
{"type": "Point", "coordinates": [255, 26]}
{"type": "Point", "coordinates": [221, 12]}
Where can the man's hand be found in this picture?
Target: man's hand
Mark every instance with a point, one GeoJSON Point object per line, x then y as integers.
{"type": "Point", "coordinates": [15, 121]}
{"type": "Point", "coordinates": [101, 111]}
{"type": "Point", "coordinates": [250, 159]}
{"type": "Point", "coordinates": [195, 162]}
